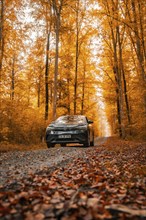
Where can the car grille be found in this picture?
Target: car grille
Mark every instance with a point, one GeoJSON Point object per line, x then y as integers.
{"type": "Point", "coordinates": [65, 132]}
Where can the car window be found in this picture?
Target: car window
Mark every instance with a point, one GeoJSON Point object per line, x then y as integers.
{"type": "Point", "coordinates": [71, 119]}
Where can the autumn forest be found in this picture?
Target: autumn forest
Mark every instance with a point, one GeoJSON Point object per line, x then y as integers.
{"type": "Point", "coordinates": [72, 57]}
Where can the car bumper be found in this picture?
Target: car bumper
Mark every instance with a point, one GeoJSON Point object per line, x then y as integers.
{"type": "Point", "coordinates": [68, 138]}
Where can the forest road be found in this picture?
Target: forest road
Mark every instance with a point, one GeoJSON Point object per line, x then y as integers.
{"type": "Point", "coordinates": [106, 181]}
{"type": "Point", "coordinates": [15, 165]}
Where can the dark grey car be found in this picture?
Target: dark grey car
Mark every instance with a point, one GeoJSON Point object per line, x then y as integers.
{"type": "Point", "coordinates": [70, 129]}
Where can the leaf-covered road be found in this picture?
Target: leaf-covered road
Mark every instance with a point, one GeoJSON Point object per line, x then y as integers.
{"type": "Point", "coordinates": [102, 182]}
{"type": "Point", "coordinates": [17, 164]}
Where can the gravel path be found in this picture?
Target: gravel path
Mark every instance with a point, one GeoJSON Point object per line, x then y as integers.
{"type": "Point", "coordinates": [102, 182]}
{"type": "Point", "coordinates": [18, 164]}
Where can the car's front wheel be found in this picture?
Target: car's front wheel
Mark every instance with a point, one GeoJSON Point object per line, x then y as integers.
{"type": "Point", "coordinates": [63, 145]}
{"type": "Point", "coordinates": [92, 141]}
{"type": "Point", "coordinates": [87, 143]}
{"type": "Point", "coordinates": [50, 145]}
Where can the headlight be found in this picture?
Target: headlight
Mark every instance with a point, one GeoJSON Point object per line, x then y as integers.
{"type": "Point", "coordinates": [49, 129]}
{"type": "Point", "coordinates": [82, 129]}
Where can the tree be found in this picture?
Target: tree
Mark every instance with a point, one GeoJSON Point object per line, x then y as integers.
{"type": "Point", "coordinates": [136, 16]}
{"type": "Point", "coordinates": [57, 8]}
{"type": "Point", "coordinates": [77, 54]}
{"type": "Point", "coordinates": [123, 56]}
{"type": "Point", "coordinates": [1, 36]}
{"type": "Point", "coordinates": [47, 65]}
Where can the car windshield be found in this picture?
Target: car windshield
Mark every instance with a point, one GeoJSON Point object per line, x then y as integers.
{"type": "Point", "coordinates": [76, 119]}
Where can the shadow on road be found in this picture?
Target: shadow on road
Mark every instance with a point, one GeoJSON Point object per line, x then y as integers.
{"type": "Point", "coordinates": [98, 141]}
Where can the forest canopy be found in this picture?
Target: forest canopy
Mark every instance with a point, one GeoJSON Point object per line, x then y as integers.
{"type": "Point", "coordinates": [72, 57]}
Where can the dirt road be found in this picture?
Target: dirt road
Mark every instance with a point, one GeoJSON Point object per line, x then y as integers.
{"type": "Point", "coordinates": [18, 164]}
{"type": "Point", "coordinates": [106, 181]}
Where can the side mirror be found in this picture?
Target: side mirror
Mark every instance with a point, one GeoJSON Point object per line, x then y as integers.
{"type": "Point", "coordinates": [90, 122]}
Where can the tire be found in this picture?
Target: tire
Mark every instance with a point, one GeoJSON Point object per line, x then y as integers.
{"type": "Point", "coordinates": [50, 145]}
{"type": "Point", "coordinates": [63, 145]}
{"type": "Point", "coordinates": [92, 143]}
{"type": "Point", "coordinates": [87, 143]}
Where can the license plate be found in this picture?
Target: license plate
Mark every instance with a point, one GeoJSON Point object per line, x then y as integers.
{"type": "Point", "coordinates": [65, 136]}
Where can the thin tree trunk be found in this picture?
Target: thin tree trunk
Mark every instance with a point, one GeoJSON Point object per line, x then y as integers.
{"type": "Point", "coordinates": [77, 56]}
{"type": "Point", "coordinates": [83, 93]}
{"type": "Point", "coordinates": [1, 52]}
{"type": "Point", "coordinates": [1, 37]}
{"type": "Point", "coordinates": [118, 89]}
{"type": "Point", "coordinates": [13, 79]}
{"type": "Point", "coordinates": [124, 78]}
{"type": "Point", "coordinates": [121, 104]}
{"type": "Point", "coordinates": [142, 17]}
{"type": "Point", "coordinates": [56, 70]}
{"type": "Point", "coordinates": [57, 14]}
{"type": "Point", "coordinates": [140, 54]}
{"type": "Point", "coordinates": [116, 70]}
{"type": "Point", "coordinates": [47, 78]}
{"type": "Point", "coordinates": [68, 89]}
{"type": "Point", "coordinates": [39, 91]}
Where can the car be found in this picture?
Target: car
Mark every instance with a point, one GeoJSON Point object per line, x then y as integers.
{"type": "Point", "coordinates": [69, 129]}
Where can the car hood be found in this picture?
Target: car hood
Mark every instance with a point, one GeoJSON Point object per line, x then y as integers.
{"type": "Point", "coordinates": [67, 125]}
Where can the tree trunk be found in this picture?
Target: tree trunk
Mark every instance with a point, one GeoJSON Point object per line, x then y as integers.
{"type": "Point", "coordinates": [39, 92]}
{"type": "Point", "coordinates": [57, 14]}
{"type": "Point", "coordinates": [118, 90]}
{"type": "Point", "coordinates": [115, 35]}
{"type": "Point", "coordinates": [83, 93]}
{"type": "Point", "coordinates": [47, 78]}
{"type": "Point", "coordinates": [56, 70]}
{"type": "Point", "coordinates": [13, 79]}
{"type": "Point", "coordinates": [122, 75]}
{"type": "Point", "coordinates": [77, 56]}
{"type": "Point", "coordinates": [112, 9]}
{"type": "Point", "coordinates": [139, 50]}
{"type": "Point", "coordinates": [142, 17]}
{"type": "Point", "coordinates": [68, 90]}
{"type": "Point", "coordinates": [1, 37]}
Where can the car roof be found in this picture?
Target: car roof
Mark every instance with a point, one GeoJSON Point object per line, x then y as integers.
{"type": "Point", "coordinates": [71, 116]}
